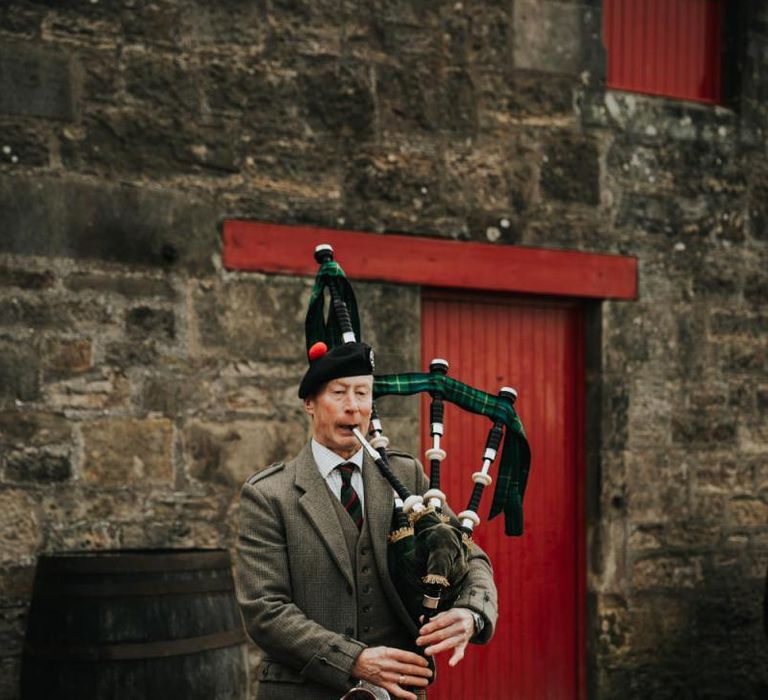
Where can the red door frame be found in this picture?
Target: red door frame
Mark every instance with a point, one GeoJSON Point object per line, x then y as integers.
{"type": "Point", "coordinates": [572, 276]}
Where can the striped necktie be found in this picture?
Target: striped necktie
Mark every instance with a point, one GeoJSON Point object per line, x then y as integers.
{"type": "Point", "coordinates": [349, 498]}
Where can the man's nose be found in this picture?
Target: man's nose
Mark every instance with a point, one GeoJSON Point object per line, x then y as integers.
{"type": "Point", "coordinates": [351, 403]}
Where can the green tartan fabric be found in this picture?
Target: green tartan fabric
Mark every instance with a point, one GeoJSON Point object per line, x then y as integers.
{"type": "Point", "coordinates": [515, 460]}
{"type": "Point", "coordinates": [316, 327]}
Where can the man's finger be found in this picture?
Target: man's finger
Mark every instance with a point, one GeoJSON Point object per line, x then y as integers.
{"type": "Point", "coordinates": [398, 692]}
{"type": "Point", "coordinates": [410, 670]}
{"type": "Point", "coordinates": [441, 621]}
{"type": "Point", "coordinates": [446, 644]}
{"type": "Point", "coordinates": [441, 634]}
{"type": "Point", "coordinates": [406, 679]}
{"type": "Point", "coordinates": [407, 657]}
{"type": "Point", "coordinates": [458, 654]}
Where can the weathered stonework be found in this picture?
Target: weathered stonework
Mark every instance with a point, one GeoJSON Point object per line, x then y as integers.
{"type": "Point", "coordinates": [140, 383]}
{"type": "Point", "coordinates": [127, 452]}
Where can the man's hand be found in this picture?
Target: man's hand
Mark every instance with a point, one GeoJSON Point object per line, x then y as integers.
{"type": "Point", "coordinates": [451, 629]}
{"type": "Point", "coordinates": [392, 669]}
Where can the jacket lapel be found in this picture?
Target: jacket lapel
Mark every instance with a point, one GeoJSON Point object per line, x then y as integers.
{"type": "Point", "coordinates": [316, 503]}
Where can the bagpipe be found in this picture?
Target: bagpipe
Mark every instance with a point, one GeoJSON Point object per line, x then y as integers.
{"type": "Point", "coordinates": [428, 549]}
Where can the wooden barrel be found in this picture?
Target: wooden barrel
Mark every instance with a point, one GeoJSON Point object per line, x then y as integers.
{"type": "Point", "coordinates": [134, 625]}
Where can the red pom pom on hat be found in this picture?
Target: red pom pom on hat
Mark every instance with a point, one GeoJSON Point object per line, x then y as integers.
{"type": "Point", "coordinates": [317, 351]}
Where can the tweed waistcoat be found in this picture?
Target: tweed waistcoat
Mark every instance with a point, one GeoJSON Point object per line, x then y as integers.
{"type": "Point", "coordinates": [376, 620]}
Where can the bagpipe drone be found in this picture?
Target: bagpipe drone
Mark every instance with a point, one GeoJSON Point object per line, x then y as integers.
{"type": "Point", "coordinates": [428, 549]}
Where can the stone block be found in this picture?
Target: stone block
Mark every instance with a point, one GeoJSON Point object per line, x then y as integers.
{"type": "Point", "coordinates": [143, 322]}
{"type": "Point", "coordinates": [26, 279]}
{"type": "Point", "coordinates": [36, 81]}
{"type": "Point", "coordinates": [706, 425]}
{"type": "Point", "coordinates": [758, 207]}
{"type": "Point", "coordinates": [15, 311]}
{"type": "Point", "coordinates": [259, 319]}
{"type": "Point", "coordinates": [16, 585]}
{"type": "Point", "coordinates": [477, 33]}
{"type": "Point", "coordinates": [650, 414]}
{"type": "Point", "coordinates": [172, 395]}
{"type": "Point", "coordinates": [42, 312]}
{"type": "Point", "coordinates": [229, 85]}
{"type": "Point", "coordinates": [745, 512]}
{"type": "Point", "coordinates": [396, 191]}
{"type": "Point", "coordinates": [741, 356]}
{"type": "Point", "coordinates": [263, 397]}
{"type": "Point", "coordinates": [527, 96]}
{"type": "Point", "coordinates": [168, 23]}
{"type": "Point", "coordinates": [549, 36]}
{"type": "Point", "coordinates": [738, 323]}
{"type": "Point", "coordinates": [84, 22]}
{"type": "Point", "coordinates": [127, 451]}
{"type": "Point", "coordinates": [135, 142]}
{"type": "Point", "coordinates": [706, 505]}
{"type": "Point", "coordinates": [13, 620]}
{"type": "Point", "coordinates": [228, 453]}
{"type": "Point", "coordinates": [23, 147]}
{"type": "Point", "coordinates": [22, 429]}
{"type": "Point", "coordinates": [613, 633]}
{"type": "Point", "coordinates": [756, 289]}
{"type": "Point", "coordinates": [669, 572]}
{"type": "Point", "coordinates": [646, 538]}
{"type": "Point", "coordinates": [419, 97]}
{"type": "Point", "coordinates": [22, 20]}
{"type": "Point", "coordinates": [130, 287]}
{"type": "Point", "coordinates": [99, 534]}
{"type": "Point", "coordinates": [694, 534]}
{"type": "Point", "coordinates": [131, 354]}
{"type": "Point", "coordinates": [19, 373]}
{"type": "Point", "coordinates": [655, 621]}
{"type": "Point", "coordinates": [73, 503]}
{"type": "Point", "coordinates": [570, 171]}
{"type": "Point", "coordinates": [20, 527]}
{"type": "Point", "coordinates": [161, 80]}
{"type": "Point", "coordinates": [647, 213]}
{"type": "Point", "coordinates": [339, 100]}
{"type": "Point", "coordinates": [720, 472]}
{"type": "Point", "coordinates": [65, 355]}
{"type": "Point", "coordinates": [657, 486]}
{"type": "Point", "coordinates": [238, 23]}
{"type": "Point", "coordinates": [37, 466]}
{"type": "Point", "coordinates": [100, 73]}
{"type": "Point", "coordinates": [492, 185]}
{"type": "Point", "coordinates": [131, 225]}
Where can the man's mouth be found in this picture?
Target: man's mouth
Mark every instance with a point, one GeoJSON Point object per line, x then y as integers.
{"type": "Point", "coordinates": [348, 426]}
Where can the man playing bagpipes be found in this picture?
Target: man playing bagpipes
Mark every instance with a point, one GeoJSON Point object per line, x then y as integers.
{"type": "Point", "coordinates": [315, 574]}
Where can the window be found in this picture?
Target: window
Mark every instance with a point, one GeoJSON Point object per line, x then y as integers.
{"type": "Point", "coordinates": [666, 47]}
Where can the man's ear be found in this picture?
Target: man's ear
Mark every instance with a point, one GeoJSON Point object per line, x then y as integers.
{"type": "Point", "coordinates": [309, 406]}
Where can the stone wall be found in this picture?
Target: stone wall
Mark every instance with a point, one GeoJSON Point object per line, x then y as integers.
{"type": "Point", "coordinates": [140, 383]}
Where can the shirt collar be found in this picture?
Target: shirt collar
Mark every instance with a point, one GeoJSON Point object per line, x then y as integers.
{"type": "Point", "coordinates": [327, 460]}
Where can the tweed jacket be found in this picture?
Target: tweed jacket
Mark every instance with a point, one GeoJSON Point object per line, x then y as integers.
{"type": "Point", "coordinates": [295, 580]}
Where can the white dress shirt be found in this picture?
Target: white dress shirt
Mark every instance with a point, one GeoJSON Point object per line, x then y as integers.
{"type": "Point", "coordinates": [327, 461]}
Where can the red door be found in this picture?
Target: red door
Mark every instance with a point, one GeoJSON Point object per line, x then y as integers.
{"type": "Point", "coordinates": [536, 347]}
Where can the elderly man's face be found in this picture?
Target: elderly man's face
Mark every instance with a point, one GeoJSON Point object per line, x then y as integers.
{"type": "Point", "coordinates": [340, 405]}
